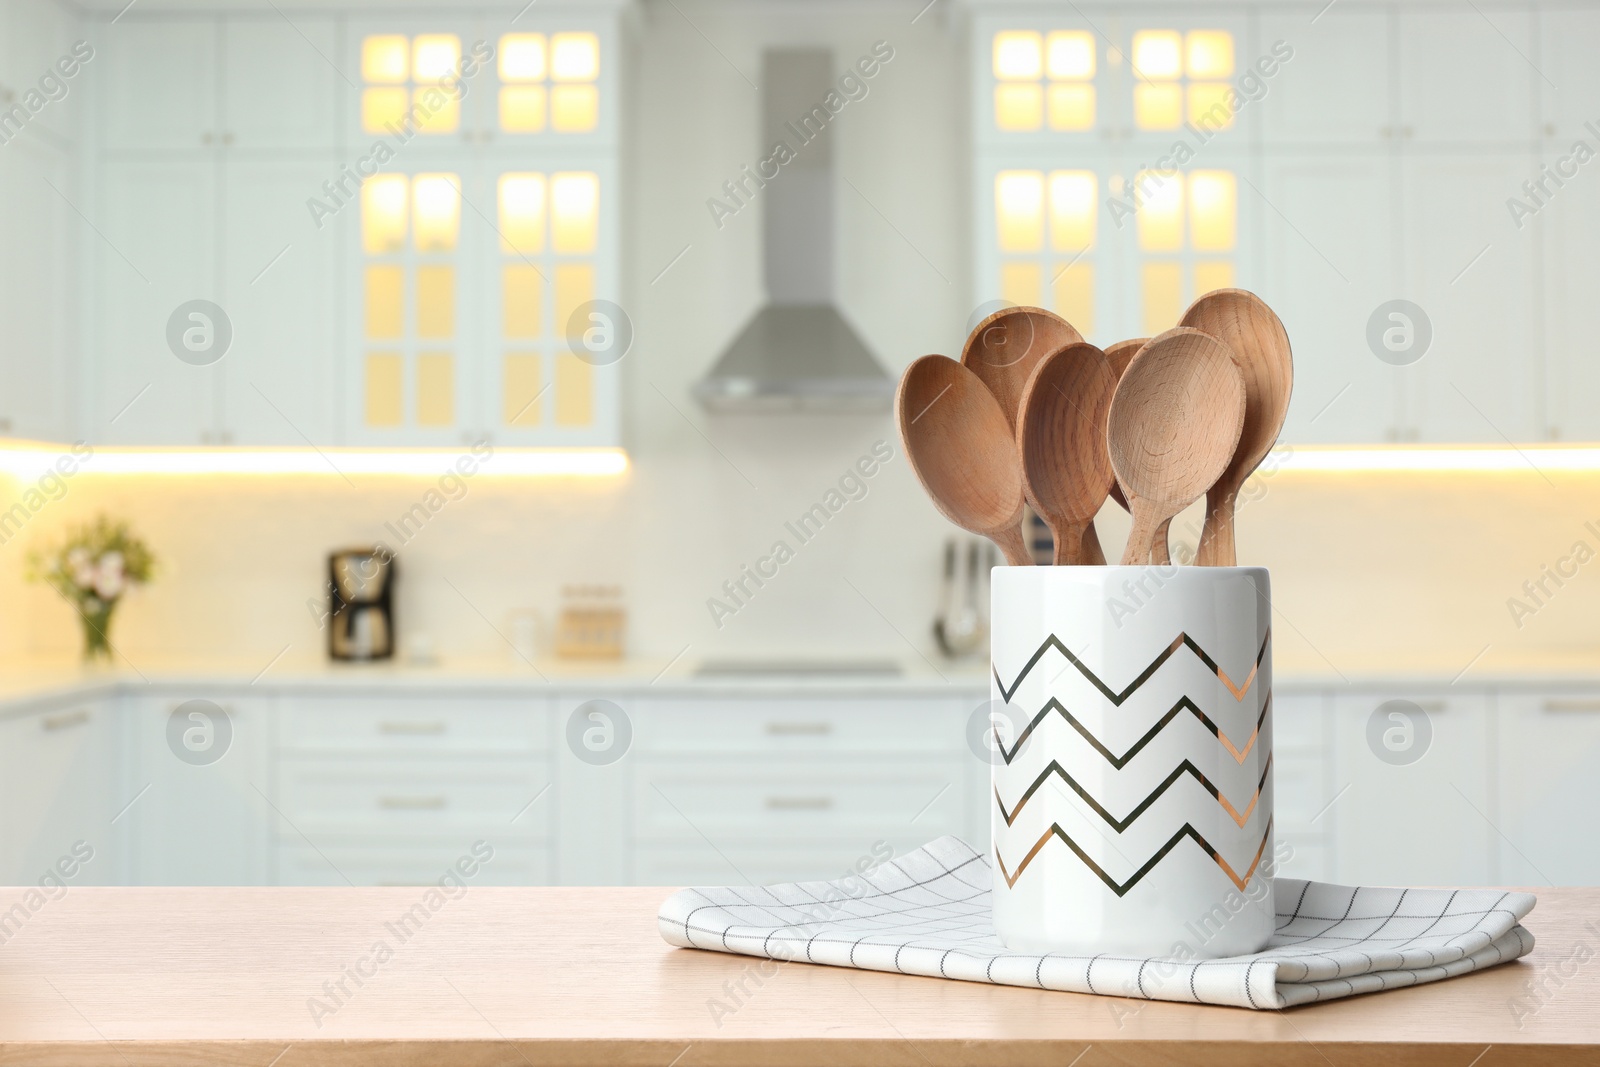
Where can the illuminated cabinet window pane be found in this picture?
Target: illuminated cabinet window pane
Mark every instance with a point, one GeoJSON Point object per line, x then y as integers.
{"type": "Point", "coordinates": [435, 110]}
{"type": "Point", "coordinates": [1209, 54]}
{"type": "Point", "coordinates": [574, 288]}
{"type": "Point", "coordinates": [437, 199]}
{"type": "Point", "coordinates": [575, 207]}
{"type": "Point", "coordinates": [574, 391]}
{"type": "Point", "coordinates": [1157, 54]}
{"type": "Point", "coordinates": [1163, 296]}
{"type": "Point", "coordinates": [574, 57]}
{"type": "Point", "coordinates": [1018, 55]}
{"type": "Point", "coordinates": [520, 388]}
{"type": "Point", "coordinates": [1213, 211]}
{"type": "Point", "coordinates": [1019, 106]}
{"type": "Point", "coordinates": [522, 57]}
{"type": "Point", "coordinates": [1070, 55]}
{"type": "Point", "coordinates": [1158, 106]}
{"type": "Point", "coordinates": [1208, 106]}
{"type": "Point", "coordinates": [1071, 107]}
{"type": "Point", "coordinates": [521, 205]}
{"type": "Point", "coordinates": [522, 293]}
{"type": "Point", "coordinates": [385, 302]}
{"type": "Point", "coordinates": [574, 108]}
{"type": "Point", "coordinates": [383, 213]}
{"type": "Point", "coordinates": [384, 389]}
{"type": "Point", "coordinates": [1022, 284]}
{"type": "Point", "coordinates": [1072, 210]}
{"type": "Point", "coordinates": [1212, 274]}
{"type": "Point", "coordinates": [436, 389]}
{"type": "Point", "coordinates": [1161, 211]}
{"type": "Point", "coordinates": [435, 56]}
{"type": "Point", "coordinates": [436, 301]}
{"type": "Point", "coordinates": [384, 58]}
{"type": "Point", "coordinates": [382, 109]}
{"type": "Point", "coordinates": [1074, 294]}
{"type": "Point", "coordinates": [522, 108]}
{"type": "Point", "coordinates": [1019, 210]}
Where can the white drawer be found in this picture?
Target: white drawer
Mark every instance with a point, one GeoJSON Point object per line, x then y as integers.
{"type": "Point", "coordinates": [300, 864]}
{"type": "Point", "coordinates": [407, 724]}
{"type": "Point", "coordinates": [715, 725]}
{"type": "Point", "coordinates": [772, 803]}
{"type": "Point", "coordinates": [1299, 721]}
{"type": "Point", "coordinates": [453, 800]}
{"type": "Point", "coordinates": [1300, 792]}
{"type": "Point", "coordinates": [689, 866]}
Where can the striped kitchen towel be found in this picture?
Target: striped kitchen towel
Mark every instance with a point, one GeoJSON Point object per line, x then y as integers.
{"type": "Point", "coordinates": [927, 913]}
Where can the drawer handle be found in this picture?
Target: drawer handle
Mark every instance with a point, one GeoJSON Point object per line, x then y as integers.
{"type": "Point", "coordinates": [65, 721]}
{"type": "Point", "coordinates": [411, 803]}
{"type": "Point", "coordinates": [799, 803]}
{"type": "Point", "coordinates": [793, 729]}
{"type": "Point", "coordinates": [411, 728]}
{"type": "Point", "coordinates": [1572, 705]}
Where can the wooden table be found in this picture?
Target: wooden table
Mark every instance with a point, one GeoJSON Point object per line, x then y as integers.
{"type": "Point", "coordinates": [517, 977]}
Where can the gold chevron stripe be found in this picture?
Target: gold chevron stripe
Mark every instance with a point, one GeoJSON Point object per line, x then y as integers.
{"type": "Point", "coordinates": [1119, 825]}
{"type": "Point", "coordinates": [1121, 889]}
{"type": "Point", "coordinates": [1116, 698]}
{"type": "Point", "coordinates": [1183, 704]}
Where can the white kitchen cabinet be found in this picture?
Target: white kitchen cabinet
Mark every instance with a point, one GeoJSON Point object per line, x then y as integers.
{"type": "Point", "coordinates": [393, 865]}
{"type": "Point", "coordinates": [1303, 787]}
{"type": "Point", "coordinates": [1422, 822]}
{"type": "Point", "coordinates": [1567, 223]}
{"type": "Point", "coordinates": [1330, 252]}
{"type": "Point", "coordinates": [35, 36]}
{"type": "Point", "coordinates": [58, 790]}
{"type": "Point", "coordinates": [1548, 744]}
{"type": "Point", "coordinates": [157, 85]}
{"type": "Point", "coordinates": [158, 251]}
{"type": "Point", "coordinates": [1466, 75]}
{"type": "Point", "coordinates": [1338, 86]}
{"type": "Point", "coordinates": [38, 278]}
{"type": "Point", "coordinates": [198, 822]}
{"type": "Point", "coordinates": [1472, 273]}
{"type": "Point", "coordinates": [1566, 37]}
{"type": "Point", "coordinates": [281, 91]}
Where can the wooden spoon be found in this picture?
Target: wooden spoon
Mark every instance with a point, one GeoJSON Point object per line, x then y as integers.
{"type": "Point", "coordinates": [1244, 323]}
{"type": "Point", "coordinates": [1119, 356]}
{"type": "Point", "coordinates": [1061, 434]}
{"type": "Point", "coordinates": [1004, 348]}
{"type": "Point", "coordinates": [1174, 425]}
{"type": "Point", "coordinates": [963, 451]}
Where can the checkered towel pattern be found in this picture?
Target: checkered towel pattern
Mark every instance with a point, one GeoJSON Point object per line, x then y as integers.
{"type": "Point", "coordinates": [927, 913]}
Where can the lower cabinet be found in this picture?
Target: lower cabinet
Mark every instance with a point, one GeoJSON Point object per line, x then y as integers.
{"type": "Point", "coordinates": [1548, 748]}
{"type": "Point", "coordinates": [57, 794]}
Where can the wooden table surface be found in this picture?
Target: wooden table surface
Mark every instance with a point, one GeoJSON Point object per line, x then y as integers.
{"type": "Point", "coordinates": [143, 976]}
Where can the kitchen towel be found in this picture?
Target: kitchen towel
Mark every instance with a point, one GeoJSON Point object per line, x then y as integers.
{"type": "Point", "coordinates": [927, 913]}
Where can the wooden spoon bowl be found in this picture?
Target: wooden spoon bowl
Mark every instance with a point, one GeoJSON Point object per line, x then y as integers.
{"type": "Point", "coordinates": [1174, 425]}
{"type": "Point", "coordinates": [1061, 433]}
{"type": "Point", "coordinates": [961, 447]}
{"type": "Point", "coordinates": [1004, 348]}
{"type": "Point", "coordinates": [1242, 321]}
{"type": "Point", "coordinates": [1119, 356]}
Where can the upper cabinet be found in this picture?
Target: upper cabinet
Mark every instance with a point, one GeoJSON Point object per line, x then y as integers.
{"type": "Point", "coordinates": [1467, 76]}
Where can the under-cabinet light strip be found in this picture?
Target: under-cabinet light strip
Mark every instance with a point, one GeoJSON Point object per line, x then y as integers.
{"type": "Point", "coordinates": [31, 459]}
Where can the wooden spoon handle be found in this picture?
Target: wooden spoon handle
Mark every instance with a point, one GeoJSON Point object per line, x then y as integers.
{"type": "Point", "coordinates": [1093, 554]}
{"type": "Point", "coordinates": [1216, 539]}
{"type": "Point", "coordinates": [1012, 546]}
{"type": "Point", "coordinates": [1160, 551]}
{"type": "Point", "coordinates": [1072, 546]}
{"type": "Point", "coordinates": [1143, 534]}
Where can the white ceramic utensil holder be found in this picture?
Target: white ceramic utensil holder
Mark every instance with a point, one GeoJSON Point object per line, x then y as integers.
{"type": "Point", "coordinates": [1132, 786]}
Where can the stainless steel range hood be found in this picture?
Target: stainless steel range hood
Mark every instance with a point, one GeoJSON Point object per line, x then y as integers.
{"type": "Point", "coordinates": [797, 352]}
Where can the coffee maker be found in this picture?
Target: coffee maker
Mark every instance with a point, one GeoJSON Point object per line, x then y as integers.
{"type": "Point", "coordinates": [361, 604]}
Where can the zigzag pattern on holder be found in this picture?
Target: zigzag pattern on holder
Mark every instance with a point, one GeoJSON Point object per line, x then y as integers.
{"type": "Point", "coordinates": [1121, 888]}
{"type": "Point", "coordinates": [1116, 698]}
{"type": "Point", "coordinates": [1184, 703]}
{"type": "Point", "coordinates": [1122, 824]}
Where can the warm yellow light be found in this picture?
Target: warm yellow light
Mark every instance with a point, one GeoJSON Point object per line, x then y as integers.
{"type": "Point", "coordinates": [1018, 106]}
{"type": "Point", "coordinates": [521, 301]}
{"type": "Point", "coordinates": [574, 108]}
{"type": "Point", "coordinates": [33, 459]}
{"type": "Point", "coordinates": [1019, 210]}
{"type": "Point", "coordinates": [437, 217]}
{"type": "Point", "coordinates": [1208, 105]}
{"type": "Point", "coordinates": [1160, 200]}
{"type": "Point", "coordinates": [1070, 54]}
{"type": "Point", "coordinates": [1213, 210]}
{"type": "Point", "coordinates": [1072, 209]}
{"type": "Point", "coordinates": [522, 57]}
{"type": "Point", "coordinates": [1212, 274]}
{"type": "Point", "coordinates": [522, 108]}
{"type": "Point", "coordinates": [1018, 55]}
{"type": "Point", "coordinates": [382, 109]}
{"type": "Point", "coordinates": [575, 205]}
{"type": "Point", "coordinates": [383, 213]}
{"type": "Point", "coordinates": [1022, 284]}
{"type": "Point", "coordinates": [574, 57]}
{"type": "Point", "coordinates": [435, 56]}
{"type": "Point", "coordinates": [385, 400]}
{"type": "Point", "coordinates": [436, 389]}
{"type": "Point", "coordinates": [1162, 285]}
{"type": "Point", "coordinates": [436, 300]}
{"type": "Point", "coordinates": [1157, 53]}
{"type": "Point", "coordinates": [1210, 53]}
{"type": "Point", "coordinates": [521, 200]}
{"type": "Point", "coordinates": [1158, 107]}
{"type": "Point", "coordinates": [521, 386]}
{"type": "Point", "coordinates": [386, 301]}
{"type": "Point", "coordinates": [437, 111]}
{"type": "Point", "coordinates": [1071, 106]}
{"type": "Point", "coordinates": [383, 58]}
{"type": "Point", "coordinates": [1074, 294]}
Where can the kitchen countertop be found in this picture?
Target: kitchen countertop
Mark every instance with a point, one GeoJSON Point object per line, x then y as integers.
{"type": "Point", "coordinates": [125, 977]}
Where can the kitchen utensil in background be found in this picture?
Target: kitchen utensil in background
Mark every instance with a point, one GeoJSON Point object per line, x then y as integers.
{"type": "Point", "coordinates": [1061, 435]}
{"type": "Point", "coordinates": [361, 604]}
{"type": "Point", "coordinates": [960, 444]}
{"type": "Point", "coordinates": [1119, 356]}
{"type": "Point", "coordinates": [963, 625]}
{"type": "Point", "coordinates": [1260, 345]}
{"type": "Point", "coordinates": [1175, 421]}
{"type": "Point", "coordinates": [592, 622]}
{"type": "Point", "coordinates": [1005, 347]}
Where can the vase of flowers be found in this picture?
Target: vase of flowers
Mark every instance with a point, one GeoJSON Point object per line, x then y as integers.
{"type": "Point", "coordinates": [92, 569]}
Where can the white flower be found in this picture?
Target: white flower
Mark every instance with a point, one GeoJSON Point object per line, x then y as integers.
{"type": "Point", "coordinates": [80, 568]}
{"type": "Point", "coordinates": [109, 579]}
